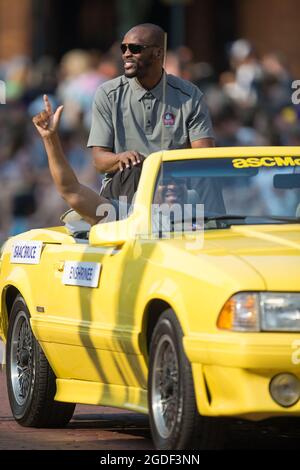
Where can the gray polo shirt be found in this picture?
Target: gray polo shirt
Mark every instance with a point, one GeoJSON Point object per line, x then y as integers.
{"type": "Point", "coordinates": [128, 117]}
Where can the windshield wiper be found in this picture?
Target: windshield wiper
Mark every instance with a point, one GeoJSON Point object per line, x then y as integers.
{"type": "Point", "coordinates": [207, 218]}
{"type": "Point", "coordinates": [292, 220]}
{"type": "Point", "coordinates": [225, 217]}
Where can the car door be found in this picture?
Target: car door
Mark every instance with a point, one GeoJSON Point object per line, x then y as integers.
{"type": "Point", "coordinates": [85, 329]}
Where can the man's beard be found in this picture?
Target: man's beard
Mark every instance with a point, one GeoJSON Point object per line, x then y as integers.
{"type": "Point", "coordinates": [130, 74]}
{"type": "Point", "coordinates": [131, 68]}
{"type": "Point", "coordinates": [138, 71]}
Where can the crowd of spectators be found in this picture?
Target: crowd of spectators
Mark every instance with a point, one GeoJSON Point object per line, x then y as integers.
{"type": "Point", "coordinates": [250, 104]}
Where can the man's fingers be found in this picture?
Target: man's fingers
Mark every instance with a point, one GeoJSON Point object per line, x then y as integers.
{"type": "Point", "coordinates": [42, 119]}
{"type": "Point", "coordinates": [124, 163]}
{"type": "Point", "coordinates": [57, 115]}
{"type": "Point", "coordinates": [135, 158]}
{"type": "Point", "coordinates": [48, 106]}
{"type": "Point", "coordinates": [127, 161]}
{"type": "Point", "coordinates": [139, 157]}
{"type": "Point", "coordinates": [130, 159]}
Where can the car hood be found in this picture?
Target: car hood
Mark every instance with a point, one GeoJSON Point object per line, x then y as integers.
{"type": "Point", "coordinates": [273, 251]}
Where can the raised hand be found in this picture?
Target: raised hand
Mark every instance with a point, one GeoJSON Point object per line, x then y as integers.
{"type": "Point", "coordinates": [47, 122]}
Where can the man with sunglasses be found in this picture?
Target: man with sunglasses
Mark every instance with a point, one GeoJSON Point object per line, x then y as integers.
{"type": "Point", "coordinates": [143, 111]}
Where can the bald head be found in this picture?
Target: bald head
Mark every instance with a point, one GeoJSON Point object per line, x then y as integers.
{"type": "Point", "coordinates": [149, 33]}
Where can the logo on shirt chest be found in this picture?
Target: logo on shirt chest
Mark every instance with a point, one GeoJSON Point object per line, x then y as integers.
{"type": "Point", "coordinates": [168, 119]}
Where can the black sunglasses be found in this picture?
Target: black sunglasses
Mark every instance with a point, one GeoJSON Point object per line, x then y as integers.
{"type": "Point", "coordinates": [134, 48]}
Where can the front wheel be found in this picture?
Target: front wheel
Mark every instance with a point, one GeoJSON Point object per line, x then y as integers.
{"type": "Point", "coordinates": [174, 419]}
{"type": "Point", "coordinates": [30, 380]}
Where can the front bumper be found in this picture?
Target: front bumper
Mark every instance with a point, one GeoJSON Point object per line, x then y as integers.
{"type": "Point", "coordinates": [232, 372]}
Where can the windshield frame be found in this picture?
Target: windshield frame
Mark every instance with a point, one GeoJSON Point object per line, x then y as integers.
{"type": "Point", "coordinates": [256, 161]}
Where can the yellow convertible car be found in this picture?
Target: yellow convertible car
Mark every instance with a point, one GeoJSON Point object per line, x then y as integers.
{"type": "Point", "coordinates": [187, 307]}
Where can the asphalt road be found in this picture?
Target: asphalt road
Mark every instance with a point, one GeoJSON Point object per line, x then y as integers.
{"type": "Point", "coordinates": [92, 428]}
{"type": "Point", "coordinates": [101, 428]}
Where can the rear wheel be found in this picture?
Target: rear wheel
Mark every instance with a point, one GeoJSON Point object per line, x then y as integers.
{"type": "Point", "coordinates": [174, 418]}
{"type": "Point", "coordinates": [30, 380]}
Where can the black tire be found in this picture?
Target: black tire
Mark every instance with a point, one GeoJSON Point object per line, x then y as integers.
{"type": "Point", "coordinates": [30, 380]}
{"type": "Point", "coordinates": [176, 424]}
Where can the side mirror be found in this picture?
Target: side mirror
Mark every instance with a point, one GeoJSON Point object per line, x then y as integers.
{"type": "Point", "coordinates": [113, 233]}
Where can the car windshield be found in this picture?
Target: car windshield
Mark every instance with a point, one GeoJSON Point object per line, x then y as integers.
{"type": "Point", "coordinates": [256, 190]}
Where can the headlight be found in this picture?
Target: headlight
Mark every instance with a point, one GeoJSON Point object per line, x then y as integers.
{"type": "Point", "coordinates": [265, 311]}
{"type": "Point", "coordinates": [280, 312]}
